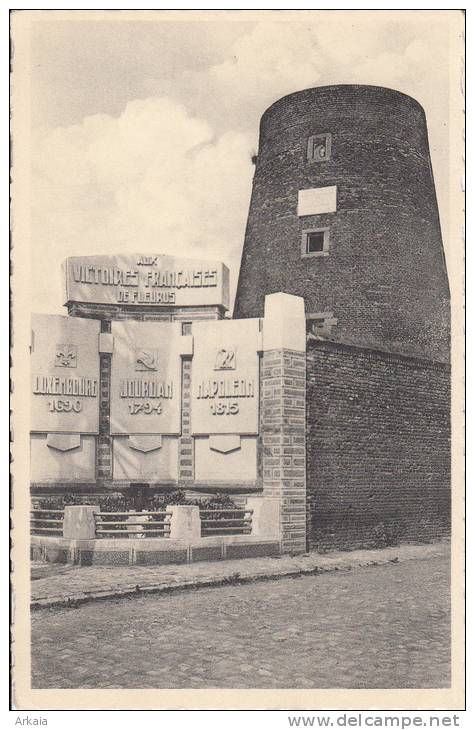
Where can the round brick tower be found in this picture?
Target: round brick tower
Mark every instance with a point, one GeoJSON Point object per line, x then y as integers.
{"type": "Point", "coordinates": [344, 213]}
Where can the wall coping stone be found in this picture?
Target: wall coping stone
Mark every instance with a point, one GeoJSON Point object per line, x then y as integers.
{"type": "Point", "coordinates": [373, 353]}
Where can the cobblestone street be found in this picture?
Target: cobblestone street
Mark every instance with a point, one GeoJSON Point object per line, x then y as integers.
{"type": "Point", "coordinates": [385, 626]}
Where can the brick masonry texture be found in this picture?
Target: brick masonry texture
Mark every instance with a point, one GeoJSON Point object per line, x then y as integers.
{"type": "Point", "coordinates": [385, 278]}
{"type": "Point", "coordinates": [104, 439]}
{"type": "Point", "coordinates": [185, 446]}
{"type": "Point", "coordinates": [251, 551]}
{"type": "Point", "coordinates": [282, 441]}
{"type": "Point", "coordinates": [154, 557]}
{"type": "Point", "coordinates": [378, 448]}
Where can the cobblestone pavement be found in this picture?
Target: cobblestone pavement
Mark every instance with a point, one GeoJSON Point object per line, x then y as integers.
{"type": "Point", "coordinates": [56, 584]}
{"type": "Point", "coordinates": [376, 627]}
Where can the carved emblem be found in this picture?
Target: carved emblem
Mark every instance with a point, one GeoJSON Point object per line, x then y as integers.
{"type": "Point", "coordinates": [225, 359]}
{"type": "Point", "coordinates": [66, 356]}
{"type": "Point", "coordinates": [146, 359]}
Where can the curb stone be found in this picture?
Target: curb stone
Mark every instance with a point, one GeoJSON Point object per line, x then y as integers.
{"type": "Point", "coordinates": [233, 578]}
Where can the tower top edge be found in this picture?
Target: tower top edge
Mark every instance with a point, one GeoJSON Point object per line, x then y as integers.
{"type": "Point", "coordinates": [341, 89]}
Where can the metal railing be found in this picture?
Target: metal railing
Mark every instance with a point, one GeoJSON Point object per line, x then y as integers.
{"type": "Point", "coordinates": [215, 521]}
{"type": "Point", "coordinates": [229, 521]}
{"type": "Point", "coordinates": [132, 524]}
{"type": "Point", "coordinates": [46, 522]}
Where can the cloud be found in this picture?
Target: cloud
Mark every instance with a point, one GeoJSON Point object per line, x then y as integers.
{"type": "Point", "coordinates": [272, 59]}
{"type": "Point", "coordinates": [154, 179]}
{"type": "Point", "coordinates": [268, 61]}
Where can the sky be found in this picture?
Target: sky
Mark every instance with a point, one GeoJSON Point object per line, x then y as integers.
{"type": "Point", "coordinates": [143, 130]}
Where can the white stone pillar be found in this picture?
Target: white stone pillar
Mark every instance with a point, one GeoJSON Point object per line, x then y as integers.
{"type": "Point", "coordinates": [185, 523]}
{"type": "Point", "coordinates": [79, 521]}
{"type": "Point", "coordinates": [265, 517]}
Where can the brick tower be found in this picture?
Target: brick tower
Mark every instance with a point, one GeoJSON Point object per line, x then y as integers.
{"type": "Point", "coordinates": [344, 213]}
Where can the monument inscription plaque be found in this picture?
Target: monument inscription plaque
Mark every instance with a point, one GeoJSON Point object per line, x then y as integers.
{"type": "Point", "coordinates": [138, 280]}
{"type": "Point", "coordinates": [146, 378]}
{"type": "Point", "coordinates": [65, 374]}
{"type": "Point", "coordinates": [225, 388]}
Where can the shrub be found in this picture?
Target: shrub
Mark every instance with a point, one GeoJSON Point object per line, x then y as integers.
{"type": "Point", "coordinates": [125, 503]}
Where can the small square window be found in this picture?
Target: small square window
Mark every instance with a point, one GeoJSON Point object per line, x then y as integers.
{"type": "Point", "coordinates": [319, 147]}
{"type": "Point", "coordinates": [186, 328]}
{"type": "Point", "coordinates": [316, 242]}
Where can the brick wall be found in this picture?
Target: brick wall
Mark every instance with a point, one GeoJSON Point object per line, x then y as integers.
{"type": "Point", "coordinates": [378, 448]}
{"type": "Point", "coordinates": [185, 447]}
{"type": "Point", "coordinates": [385, 278]}
{"type": "Point", "coordinates": [104, 439]}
